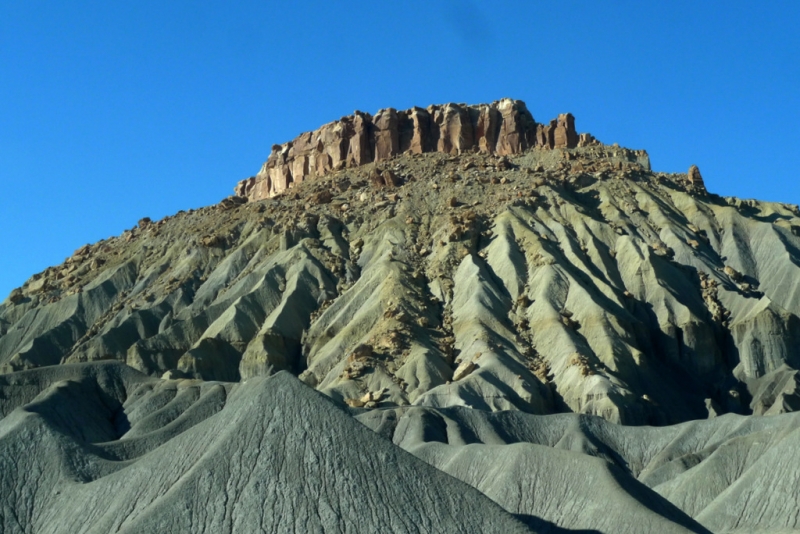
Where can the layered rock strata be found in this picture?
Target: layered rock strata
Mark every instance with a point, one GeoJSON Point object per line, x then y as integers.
{"type": "Point", "coordinates": [503, 127]}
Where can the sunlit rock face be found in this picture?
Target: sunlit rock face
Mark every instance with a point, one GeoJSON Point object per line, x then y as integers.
{"type": "Point", "coordinates": [505, 127]}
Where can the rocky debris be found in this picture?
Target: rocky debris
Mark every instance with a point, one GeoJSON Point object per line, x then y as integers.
{"type": "Point", "coordinates": [358, 362]}
{"type": "Point", "coordinates": [211, 241]}
{"type": "Point", "coordinates": [582, 363]}
{"type": "Point", "coordinates": [385, 178]}
{"type": "Point", "coordinates": [505, 127]}
{"type": "Point", "coordinates": [232, 202]}
{"type": "Point", "coordinates": [710, 291]}
{"type": "Point", "coordinates": [321, 197]}
{"type": "Point", "coordinates": [16, 296]}
{"type": "Point", "coordinates": [84, 251]}
{"type": "Point", "coordinates": [174, 374]}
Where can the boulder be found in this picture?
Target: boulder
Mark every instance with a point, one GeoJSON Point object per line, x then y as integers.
{"type": "Point", "coordinates": [16, 296]}
{"type": "Point", "coordinates": [463, 369]}
{"type": "Point", "coordinates": [321, 197]}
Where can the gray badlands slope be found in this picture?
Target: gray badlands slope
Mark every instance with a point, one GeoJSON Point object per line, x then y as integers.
{"type": "Point", "coordinates": [452, 275]}
{"type": "Point", "coordinates": [269, 455]}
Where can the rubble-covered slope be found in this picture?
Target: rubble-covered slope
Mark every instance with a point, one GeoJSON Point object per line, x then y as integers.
{"type": "Point", "coordinates": [554, 280]}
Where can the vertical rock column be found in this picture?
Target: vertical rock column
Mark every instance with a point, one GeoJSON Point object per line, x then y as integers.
{"type": "Point", "coordinates": [504, 127]}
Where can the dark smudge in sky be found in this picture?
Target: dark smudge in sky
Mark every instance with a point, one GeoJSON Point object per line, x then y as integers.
{"type": "Point", "coordinates": [473, 28]}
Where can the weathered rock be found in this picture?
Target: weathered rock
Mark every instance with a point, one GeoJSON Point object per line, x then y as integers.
{"type": "Point", "coordinates": [488, 127]}
{"type": "Point", "coordinates": [504, 127]}
{"type": "Point", "coordinates": [735, 275]}
{"type": "Point", "coordinates": [695, 179]}
{"type": "Point", "coordinates": [586, 139]}
{"type": "Point", "coordinates": [321, 197]}
{"type": "Point", "coordinates": [16, 296]}
{"type": "Point", "coordinates": [456, 134]}
{"type": "Point", "coordinates": [213, 241]}
{"type": "Point", "coordinates": [464, 369]}
{"type": "Point", "coordinates": [245, 187]}
{"type": "Point", "coordinates": [232, 202]}
{"type": "Point", "coordinates": [360, 150]}
{"type": "Point", "coordinates": [517, 129]}
{"type": "Point", "coordinates": [545, 134]}
{"type": "Point", "coordinates": [387, 141]}
{"type": "Point", "coordinates": [390, 179]}
{"type": "Point", "coordinates": [565, 135]}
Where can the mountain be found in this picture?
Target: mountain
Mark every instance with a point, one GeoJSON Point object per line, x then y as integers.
{"type": "Point", "coordinates": [534, 313]}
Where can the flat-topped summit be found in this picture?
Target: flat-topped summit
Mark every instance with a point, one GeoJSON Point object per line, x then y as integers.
{"type": "Point", "coordinates": [503, 127]}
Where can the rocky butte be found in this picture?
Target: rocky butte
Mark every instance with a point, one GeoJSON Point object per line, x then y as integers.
{"type": "Point", "coordinates": [449, 319]}
{"type": "Point", "coordinates": [503, 128]}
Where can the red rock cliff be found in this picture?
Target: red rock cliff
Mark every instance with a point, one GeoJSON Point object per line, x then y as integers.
{"type": "Point", "coordinates": [503, 127]}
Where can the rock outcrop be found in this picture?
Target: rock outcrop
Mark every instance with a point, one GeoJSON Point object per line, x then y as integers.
{"type": "Point", "coordinates": [504, 127]}
{"type": "Point", "coordinates": [696, 179]}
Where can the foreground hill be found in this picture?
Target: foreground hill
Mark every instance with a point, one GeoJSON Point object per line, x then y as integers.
{"type": "Point", "coordinates": [103, 449]}
{"type": "Point", "coordinates": [100, 447]}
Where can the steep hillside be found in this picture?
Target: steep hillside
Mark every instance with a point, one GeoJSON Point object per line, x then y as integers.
{"type": "Point", "coordinates": [542, 333]}
{"type": "Point", "coordinates": [554, 280]}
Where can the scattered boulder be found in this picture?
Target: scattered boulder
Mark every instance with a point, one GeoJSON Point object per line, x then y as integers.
{"type": "Point", "coordinates": [464, 369]}
{"type": "Point", "coordinates": [232, 202]}
{"type": "Point", "coordinates": [321, 197]}
{"type": "Point", "coordinates": [734, 275]}
{"type": "Point", "coordinates": [16, 296]}
{"type": "Point", "coordinates": [211, 241]}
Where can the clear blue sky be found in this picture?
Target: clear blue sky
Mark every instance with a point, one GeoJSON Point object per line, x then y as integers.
{"type": "Point", "coordinates": [112, 111]}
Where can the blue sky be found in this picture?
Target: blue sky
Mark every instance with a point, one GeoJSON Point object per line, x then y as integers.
{"type": "Point", "coordinates": [112, 111]}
